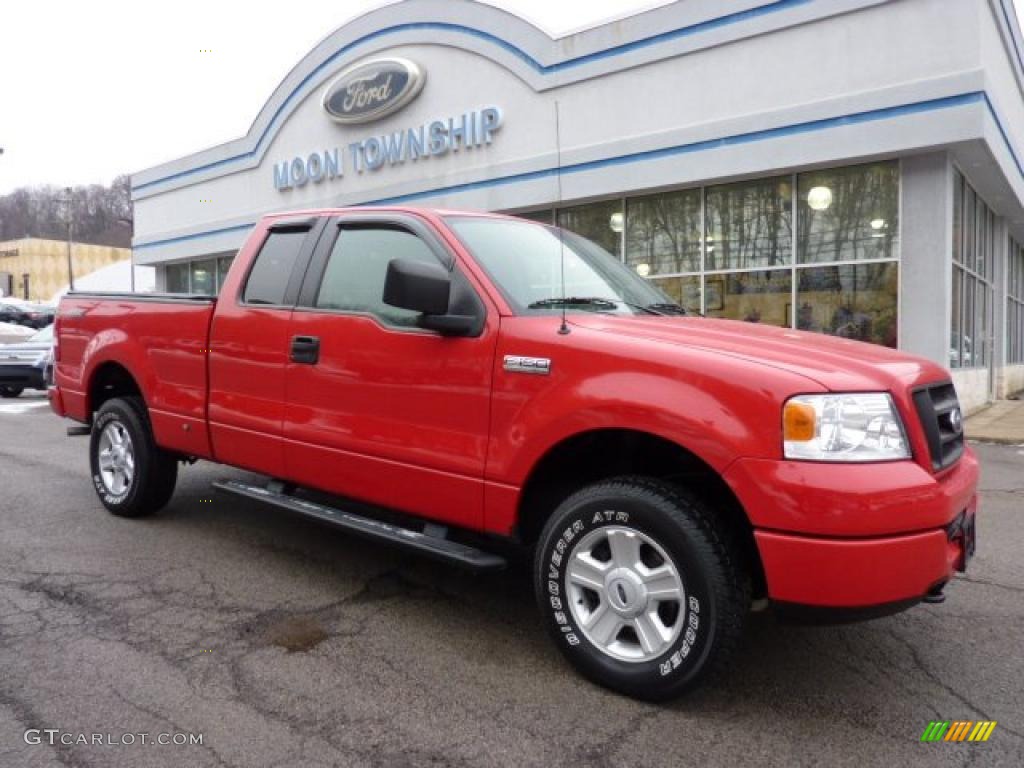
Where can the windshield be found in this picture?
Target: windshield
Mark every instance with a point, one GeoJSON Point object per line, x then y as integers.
{"type": "Point", "coordinates": [44, 335]}
{"type": "Point", "coordinates": [524, 260]}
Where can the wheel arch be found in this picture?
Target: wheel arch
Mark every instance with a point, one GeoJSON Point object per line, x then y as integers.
{"type": "Point", "coordinates": [110, 379]}
{"type": "Point", "coordinates": [595, 455]}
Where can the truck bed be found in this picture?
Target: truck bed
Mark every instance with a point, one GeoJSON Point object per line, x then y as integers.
{"type": "Point", "coordinates": [162, 342]}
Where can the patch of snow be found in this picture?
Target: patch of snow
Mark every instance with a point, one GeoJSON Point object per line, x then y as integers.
{"type": "Point", "coordinates": [114, 277]}
{"type": "Point", "coordinates": [11, 333]}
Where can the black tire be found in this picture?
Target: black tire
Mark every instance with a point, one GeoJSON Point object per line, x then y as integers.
{"type": "Point", "coordinates": [155, 471]}
{"type": "Point", "coordinates": [9, 393]}
{"type": "Point", "coordinates": [716, 585]}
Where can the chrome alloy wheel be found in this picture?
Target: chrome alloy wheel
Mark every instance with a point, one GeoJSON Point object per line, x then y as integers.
{"type": "Point", "coordinates": [625, 593]}
{"type": "Point", "coordinates": [116, 459]}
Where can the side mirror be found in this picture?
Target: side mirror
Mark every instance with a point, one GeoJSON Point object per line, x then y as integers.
{"type": "Point", "coordinates": [426, 288]}
{"type": "Point", "coordinates": [417, 286]}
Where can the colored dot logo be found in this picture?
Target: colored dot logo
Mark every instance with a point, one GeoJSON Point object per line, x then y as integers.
{"type": "Point", "coordinates": [958, 730]}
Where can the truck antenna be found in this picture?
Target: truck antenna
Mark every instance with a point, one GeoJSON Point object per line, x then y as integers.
{"type": "Point", "coordinates": [564, 328]}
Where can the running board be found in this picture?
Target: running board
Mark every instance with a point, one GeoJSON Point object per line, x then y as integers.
{"type": "Point", "coordinates": [429, 546]}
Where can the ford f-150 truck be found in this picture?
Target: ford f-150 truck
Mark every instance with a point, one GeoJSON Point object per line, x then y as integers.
{"type": "Point", "coordinates": [452, 382]}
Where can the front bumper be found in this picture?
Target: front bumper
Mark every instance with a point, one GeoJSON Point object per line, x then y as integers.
{"type": "Point", "coordinates": [855, 536]}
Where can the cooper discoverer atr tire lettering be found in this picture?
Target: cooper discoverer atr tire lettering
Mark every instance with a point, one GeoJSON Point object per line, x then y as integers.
{"type": "Point", "coordinates": [640, 587]}
{"type": "Point", "coordinates": [132, 476]}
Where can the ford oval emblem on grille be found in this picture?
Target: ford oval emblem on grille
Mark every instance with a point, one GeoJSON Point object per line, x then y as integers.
{"type": "Point", "coordinates": [956, 420]}
{"type": "Point", "coordinates": [372, 90]}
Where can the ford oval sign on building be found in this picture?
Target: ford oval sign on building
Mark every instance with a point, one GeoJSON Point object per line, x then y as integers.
{"type": "Point", "coordinates": [372, 90]}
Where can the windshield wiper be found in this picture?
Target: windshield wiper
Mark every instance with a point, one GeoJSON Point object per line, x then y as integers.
{"type": "Point", "coordinates": [573, 301]}
{"type": "Point", "coordinates": [667, 309]}
{"type": "Point", "coordinates": [605, 303]}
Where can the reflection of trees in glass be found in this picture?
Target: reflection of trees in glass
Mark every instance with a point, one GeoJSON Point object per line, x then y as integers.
{"type": "Point", "coordinates": [684, 290]}
{"type": "Point", "coordinates": [543, 216]}
{"type": "Point", "coordinates": [861, 222]}
{"type": "Point", "coordinates": [749, 224]}
{"type": "Point", "coordinates": [594, 222]}
{"type": "Point", "coordinates": [663, 231]}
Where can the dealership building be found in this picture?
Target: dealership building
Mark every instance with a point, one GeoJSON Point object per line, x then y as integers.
{"type": "Point", "coordinates": [852, 167]}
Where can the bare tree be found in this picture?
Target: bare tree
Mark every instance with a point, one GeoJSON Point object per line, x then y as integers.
{"type": "Point", "coordinates": [102, 215]}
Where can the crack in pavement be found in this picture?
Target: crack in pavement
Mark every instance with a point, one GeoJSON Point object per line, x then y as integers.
{"type": "Point", "coordinates": [987, 583]}
{"type": "Point", "coordinates": [28, 717]}
{"type": "Point", "coordinates": [922, 667]}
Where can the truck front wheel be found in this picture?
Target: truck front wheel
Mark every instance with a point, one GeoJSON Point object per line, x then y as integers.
{"type": "Point", "coordinates": [640, 586]}
{"type": "Point", "coordinates": [131, 474]}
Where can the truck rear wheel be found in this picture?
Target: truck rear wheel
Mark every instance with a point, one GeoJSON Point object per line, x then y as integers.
{"type": "Point", "coordinates": [10, 392]}
{"type": "Point", "coordinates": [131, 474]}
{"type": "Point", "coordinates": [640, 587]}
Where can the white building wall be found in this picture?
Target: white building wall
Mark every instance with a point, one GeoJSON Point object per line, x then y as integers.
{"type": "Point", "coordinates": [777, 88]}
{"type": "Point", "coordinates": [877, 56]}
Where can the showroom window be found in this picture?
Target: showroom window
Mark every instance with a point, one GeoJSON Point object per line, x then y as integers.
{"type": "Point", "coordinates": [177, 276]}
{"type": "Point", "coordinates": [749, 225]}
{"type": "Point", "coordinates": [974, 242]}
{"type": "Point", "coordinates": [223, 265]}
{"type": "Point", "coordinates": [825, 242]}
{"type": "Point", "coordinates": [1015, 304]}
{"type": "Point", "coordinates": [848, 214]}
{"type": "Point", "coordinates": [202, 277]}
{"type": "Point", "coordinates": [663, 233]}
{"type": "Point", "coordinates": [603, 223]}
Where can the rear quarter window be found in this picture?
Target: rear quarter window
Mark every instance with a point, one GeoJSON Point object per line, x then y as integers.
{"type": "Point", "coordinates": [269, 276]}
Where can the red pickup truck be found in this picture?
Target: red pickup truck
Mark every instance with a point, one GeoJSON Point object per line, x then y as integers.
{"type": "Point", "coordinates": [452, 383]}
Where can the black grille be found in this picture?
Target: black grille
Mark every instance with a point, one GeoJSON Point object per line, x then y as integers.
{"type": "Point", "coordinates": [939, 411]}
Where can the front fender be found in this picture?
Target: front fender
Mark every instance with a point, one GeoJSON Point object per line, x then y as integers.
{"type": "Point", "coordinates": [718, 407]}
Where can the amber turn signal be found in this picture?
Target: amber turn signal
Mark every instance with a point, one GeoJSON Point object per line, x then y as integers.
{"type": "Point", "coordinates": [798, 422]}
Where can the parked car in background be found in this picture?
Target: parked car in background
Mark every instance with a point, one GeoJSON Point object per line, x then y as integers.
{"type": "Point", "coordinates": [23, 313]}
{"type": "Point", "coordinates": [11, 333]}
{"type": "Point", "coordinates": [27, 364]}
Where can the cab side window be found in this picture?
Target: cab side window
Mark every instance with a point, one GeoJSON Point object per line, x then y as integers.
{"type": "Point", "coordinates": [269, 276]}
{"type": "Point", "coordinates": [354, 278]}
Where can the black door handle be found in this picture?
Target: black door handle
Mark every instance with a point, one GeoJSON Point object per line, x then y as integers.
{"type": "Point", "coordinates": [305, 350]}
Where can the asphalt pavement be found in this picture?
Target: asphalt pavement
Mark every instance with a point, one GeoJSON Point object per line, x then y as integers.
{"type": "Point", "coordinates": [282, 643]}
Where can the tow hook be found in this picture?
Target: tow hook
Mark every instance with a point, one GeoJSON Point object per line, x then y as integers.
{"type": "Point", "coordinates": [935, 595]}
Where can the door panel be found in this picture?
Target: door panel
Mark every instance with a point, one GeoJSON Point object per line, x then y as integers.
{"type": "Point", "coordinates": [389, 414]}
{"type": "Point", "coordinates": [248, 354]}
{"type": "Point", "coordinates": [248, 358]}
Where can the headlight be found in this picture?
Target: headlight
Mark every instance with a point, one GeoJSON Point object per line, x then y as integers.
{"type": "Point", "coordinates": [843, 427]}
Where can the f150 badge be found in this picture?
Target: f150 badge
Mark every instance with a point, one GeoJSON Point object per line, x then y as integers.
{"type": "Point", "coordinates": [518, 364]}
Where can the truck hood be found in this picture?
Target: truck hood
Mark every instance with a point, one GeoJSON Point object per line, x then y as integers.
{"type": "Point", "coordinates": [836, 364]}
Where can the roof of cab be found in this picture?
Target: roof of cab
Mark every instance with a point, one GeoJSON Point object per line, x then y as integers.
{"type": "Point", "coordinates": [414, 210]}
